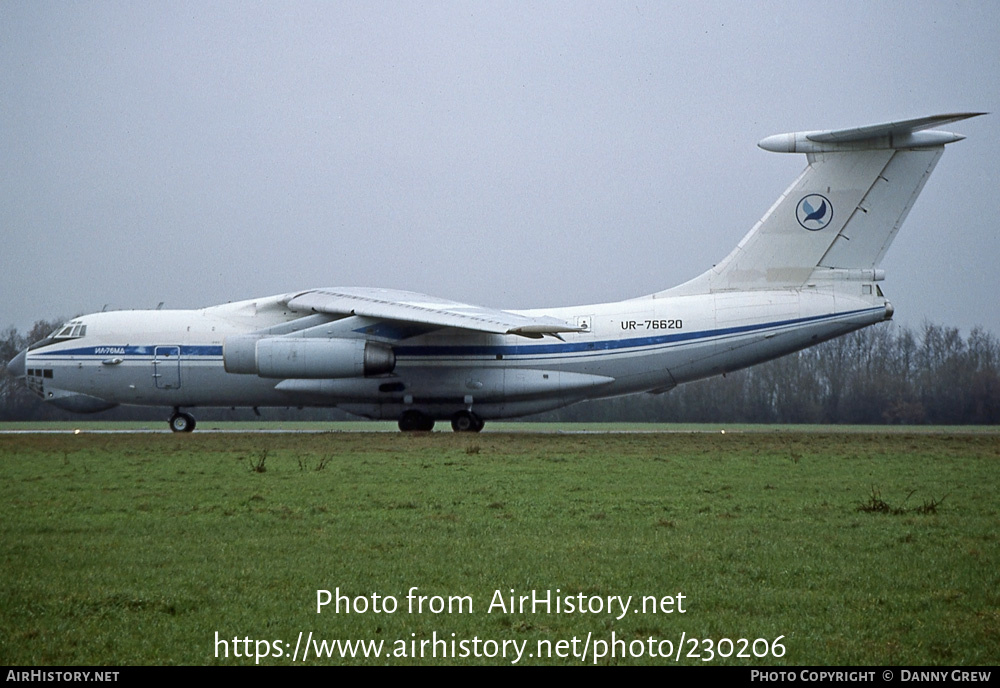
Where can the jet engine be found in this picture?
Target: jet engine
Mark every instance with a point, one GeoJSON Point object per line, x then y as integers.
{"type": "Point", "coordinates": [306, 358]}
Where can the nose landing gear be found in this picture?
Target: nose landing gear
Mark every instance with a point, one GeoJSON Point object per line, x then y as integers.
{"type": "Point", "coordinates": [182, 422]}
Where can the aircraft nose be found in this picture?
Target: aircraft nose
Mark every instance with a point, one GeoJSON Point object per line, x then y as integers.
{"type": "Point", "coordinates": [16, 365]}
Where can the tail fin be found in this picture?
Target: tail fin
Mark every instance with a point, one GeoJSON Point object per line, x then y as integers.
{"type": "Point", "coordinates": [843, 211]}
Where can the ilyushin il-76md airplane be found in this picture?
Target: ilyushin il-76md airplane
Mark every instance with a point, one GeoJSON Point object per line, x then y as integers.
{"type": "Point", "coordinates": [807, 272]}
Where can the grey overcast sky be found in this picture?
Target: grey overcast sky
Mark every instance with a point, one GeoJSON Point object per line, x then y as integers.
{"type": "Point", "coordinates": [510, 154]}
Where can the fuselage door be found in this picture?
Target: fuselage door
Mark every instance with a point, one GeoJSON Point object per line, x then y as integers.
{"type": "Point", "coordinates": [167, 367]}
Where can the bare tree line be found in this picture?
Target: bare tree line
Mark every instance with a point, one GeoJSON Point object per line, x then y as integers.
{"type": "Point", "coordinates": [882, 374]}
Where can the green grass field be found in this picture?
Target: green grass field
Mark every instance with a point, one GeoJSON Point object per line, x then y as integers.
{"type": "Point", "coordinates": [853, 547]}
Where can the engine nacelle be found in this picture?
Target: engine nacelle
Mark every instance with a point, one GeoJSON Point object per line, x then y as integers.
{"type": "Point", "coordinates": [306, 358]}
{"type": "Point", "coordinates": [239, 354]}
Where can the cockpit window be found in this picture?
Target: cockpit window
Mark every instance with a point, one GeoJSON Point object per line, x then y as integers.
{"type": "Point", "coordinates": [71, 330]}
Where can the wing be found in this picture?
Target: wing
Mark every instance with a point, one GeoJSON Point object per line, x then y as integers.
{"type": "Point", "coordinates": [410, 307]}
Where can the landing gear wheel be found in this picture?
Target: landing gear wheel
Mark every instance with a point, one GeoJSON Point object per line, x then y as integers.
{"type": "Point", "coordinates": [415, 421]}
{"type": "Point", "coordinates": [466, 421]}
{"type": "Point", "coordinates": [182, 422]}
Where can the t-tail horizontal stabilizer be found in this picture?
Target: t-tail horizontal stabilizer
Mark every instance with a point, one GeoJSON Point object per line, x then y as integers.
{"type": "Point", "coordinates": [839, 217]}
{"type": "Point", "coordinates": [905, 134]}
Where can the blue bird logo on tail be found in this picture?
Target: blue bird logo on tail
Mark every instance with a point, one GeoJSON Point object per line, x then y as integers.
{"type": "Point", "coordinates": [814, 212]}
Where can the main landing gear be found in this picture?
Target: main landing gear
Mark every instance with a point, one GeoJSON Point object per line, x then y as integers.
{"type": "Point", "coordinates": [415, 421]}
{"type": "Point", "coordinates": [182, 422]}
{"type": "Point", "coordinates": [463, 421]}
{"type": "Point", "coordinates": [466, 421]}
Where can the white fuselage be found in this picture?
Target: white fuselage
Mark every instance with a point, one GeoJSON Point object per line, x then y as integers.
{"type": "Point", "coordinates": [175, 357]}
